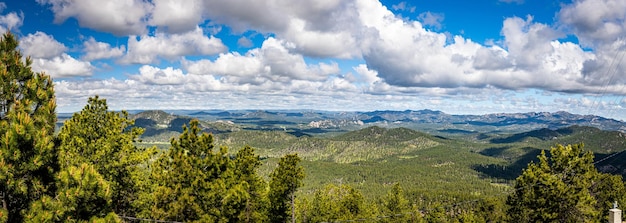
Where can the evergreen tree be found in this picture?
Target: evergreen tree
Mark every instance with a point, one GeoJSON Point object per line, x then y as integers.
{"type": "Point", "coordinates": [337, 203]}
{"type": "Point", "coordinates": [246, 164]}
{"type": "Point", "coordinates": [395, 203]}
{"type": "Point", "coordinates": [491, 210]}
{"type": "Point", "coordinates": [83, 195]}
{"type": "Point", "coordinates": [565, 187]}
{"type": "Point", "coordinates": [27, 122]}
{"type": "Point", "coordinates": [437, 214]}
{"type": "Point", "coordinates": [190, 180]}
{"type": "Point", "coordinates": [285, 180]}
{"type": "Point", "coordinates": [104, 139]}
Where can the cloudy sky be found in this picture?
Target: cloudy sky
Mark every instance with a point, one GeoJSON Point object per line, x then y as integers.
{"type": "Point", "coordinates": [460, 57]}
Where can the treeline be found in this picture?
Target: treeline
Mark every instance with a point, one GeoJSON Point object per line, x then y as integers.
{"type": "Point", "coordinates": [92, 171]}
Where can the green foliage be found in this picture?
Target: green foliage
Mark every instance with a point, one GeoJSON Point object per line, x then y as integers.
{"type": "Point", "coordinates": [564, 187]}
{"type": "Point", "coordinates": [396, 205]}
{"type": "Point", "coordinates": [245, 175]}
{"type": "Point", "coordinates": [103, 139]}
{"type": "Point", "coordinates": [191, 182]}
{"type": "Point", "coordinates": [285, 180]}
{"type": "Point", "coordinates": [335, 203]}
{"type": "Point", "coordinates": [83, 195]}
{"type": "Point", "coordinates": [187, 179]}
{"type": "Point", "coordinates": [437, 214]}
{"type": "Point", "coordinates": [27, 122]}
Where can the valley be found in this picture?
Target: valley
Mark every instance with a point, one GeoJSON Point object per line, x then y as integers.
{"type": "Point", "coordinates": [436, 157]}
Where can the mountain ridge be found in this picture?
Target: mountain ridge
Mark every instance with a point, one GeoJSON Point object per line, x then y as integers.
{"type": "Point", "coordinates": [431, 121]}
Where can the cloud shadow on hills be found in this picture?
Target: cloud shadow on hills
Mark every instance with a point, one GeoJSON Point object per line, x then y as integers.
{"type": "Point", "coordinates": [510, 171]}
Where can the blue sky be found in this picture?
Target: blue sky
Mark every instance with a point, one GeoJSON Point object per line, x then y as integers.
{"type": "Point", "coordinates": [460, 57]}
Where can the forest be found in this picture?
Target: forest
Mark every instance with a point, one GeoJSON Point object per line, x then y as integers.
{"type": "Point", "coordinates": [97, 168]}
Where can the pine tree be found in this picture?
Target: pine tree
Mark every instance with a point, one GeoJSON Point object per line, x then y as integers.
{"type": "Point", "coordinates": [83, 195]}
{"type": "Point", "coordinates": [395, 203]}
{"type": "Point", "coordinates": [27, 122]}
{"type": "Point", "coordinates": [285, 180]}
{"type": "Point", "coordinates": [246, 164]}
{"type": "Point", "coordinates": [337, 203]}
{"type": "Point", "coordinates": [190, 180]}
{"type": "Point", "coordinates": [565, 187]}
{"type": "Point", "coordinates": [105, 140]}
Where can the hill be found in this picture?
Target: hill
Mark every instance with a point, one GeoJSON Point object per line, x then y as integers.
{"type": "Point", "coordinates": [160, 126]}
{"type": "Point", "coordinates": [453, 158]}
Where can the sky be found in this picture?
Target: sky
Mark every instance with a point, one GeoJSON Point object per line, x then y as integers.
{"type": "Point", "coordinates": [459, 57]}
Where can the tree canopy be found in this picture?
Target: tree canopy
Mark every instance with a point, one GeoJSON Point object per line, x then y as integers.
{"type": "Point", "coordinates": [563, 187]}
{"type": "Point", "coordinates": [27, 122]}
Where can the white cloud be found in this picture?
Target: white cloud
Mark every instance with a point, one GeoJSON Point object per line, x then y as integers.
{"type": "Point", "coordinates": [316, 28]}
{"type": "Point", "coordinates": [48, 55]}
{"type": "Point", "coordinates": [315, 43]}
{"type": "Point", "coordinates": [62, 66]}
{"type": "Point", "coordinates": [10, 21]}
{"type": "Point", "coordinates": [367, 75]}
{"type": "Point", "coordinates": [147, 49]}
{"type": "Point", "coordinates": [431, 19]}
{"type": "Point", "coordinates": [120, 17]}
{"type": "Point", "coordinates": [595, 22]}
{"type": "Point", "coordinates": [403, 6]}
{"type": "Point", "coordinates": [492, 58]}
{"type": "Point", "coordinates": [95, 50]}
{"type": "Point", "coordinates": [41, 45]}
{"type": "Point", "coordinates": [272, 62]}
{"type": "Point", "coordinates": [527, 42]}
{"type": "Point", "coordinates": [244, 42]}
{"type": "Point", "coordinates": [177, 16]}
{"type": "Point", "coordinates": [153, 75]}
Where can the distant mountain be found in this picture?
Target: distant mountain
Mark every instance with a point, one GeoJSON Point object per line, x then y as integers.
{"type": "Point", "coordinates": [161, 126]}
{"type": "Point", "coordinates": [500, 122]}
{"type": "Point", "coordinates": [430, 121]}
{"type": "Point", "coordinates": [153, 118]}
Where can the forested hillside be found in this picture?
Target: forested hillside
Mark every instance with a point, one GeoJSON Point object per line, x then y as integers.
{"type": "Point", "coordinates": [100, 166]}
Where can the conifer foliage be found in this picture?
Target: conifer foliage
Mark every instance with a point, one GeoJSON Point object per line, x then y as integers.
{"type": "Point", "coordinates": [189, 179]}
{"type": "Point", "coordinates": [563, 187]}
{"type": "Point", "coordinates": [285, 180]}
{"type": "Point", "coordinates": [99, 168]}
{"type": "Point", "coordinates": [27, 122]}
{"type": "Point", "coordinates": [193, 181]}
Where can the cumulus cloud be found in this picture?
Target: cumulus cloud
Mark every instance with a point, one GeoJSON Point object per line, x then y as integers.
{"type": "Point", "coordinates": [492, 58]}
{"type": "Point", "coordinates": [153, 75]}
{"type": "Point", "coordinates": [531, 56]}
{"type": "Point", "coordinates": [595, 22]}
{"type": "Point", "coordinates": [528, 42]}
{"type": "Point", "coordinates": [10, 20]}
{"type": "Point", "coordinates": [271, 62]}
{"type": "Point", "coordinates": [62, 66]}
{"type": "Point", "coordinates": [366, 75]}
{"type": "Point", "coordinates": [41, 45]}
{"type": "Point", "coordinates": [601, 26]}
{"type": "Point", "coordinates": [177, 16]}
{"type": "Point", "coordinates": [147, 49]}
{"type": "Point", "coordinates": [120, 17]}
{"type": "Point", "coordinates": [95, 50]}
{"type": "Point", "coordinates": [48, 55]}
